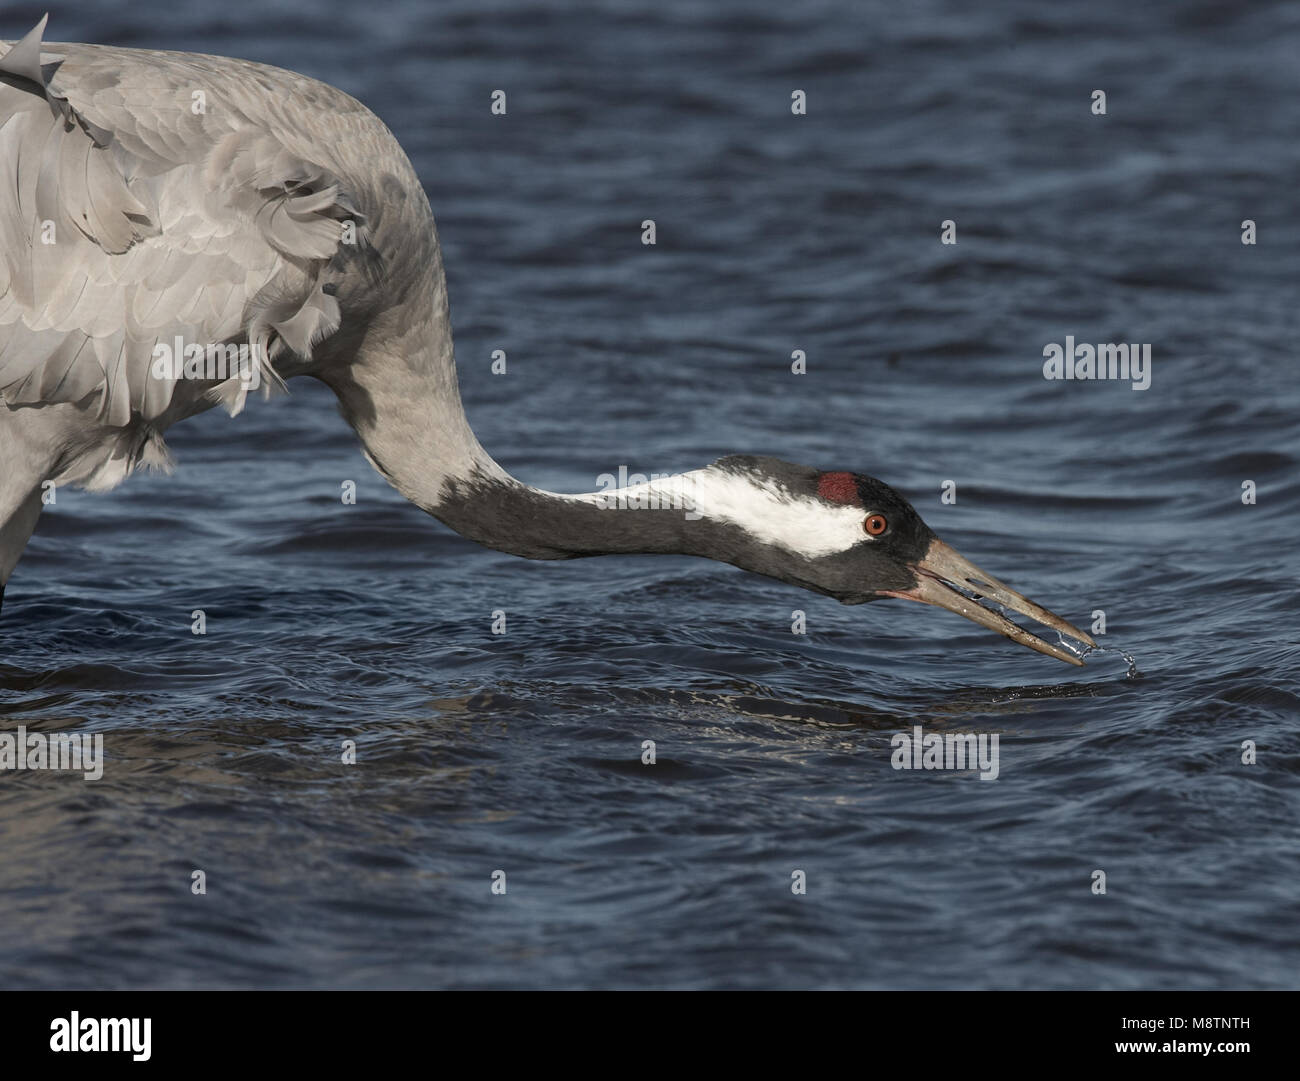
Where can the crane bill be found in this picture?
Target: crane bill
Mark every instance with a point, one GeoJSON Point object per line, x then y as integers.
{"type": "Point", "coordinates": [941, 575]}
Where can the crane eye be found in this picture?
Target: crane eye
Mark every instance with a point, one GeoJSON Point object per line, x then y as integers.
{"type": "Point", "coordinates": [875, 525]}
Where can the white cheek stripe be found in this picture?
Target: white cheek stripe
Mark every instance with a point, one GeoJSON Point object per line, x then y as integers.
{"type": "Point", "coordinates": [807, 526]}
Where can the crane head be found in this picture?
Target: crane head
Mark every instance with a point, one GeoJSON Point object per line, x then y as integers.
{"type": "Point", "coordinates": [853, 537]}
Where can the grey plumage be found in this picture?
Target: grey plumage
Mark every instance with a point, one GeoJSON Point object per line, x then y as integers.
{"type": "Point", "coordinates": [141, 213]}
{"type": "Point", "coordinates": [147, 197]}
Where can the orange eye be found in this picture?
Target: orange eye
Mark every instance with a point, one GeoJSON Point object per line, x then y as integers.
{"type": "Point", "coordinates": [875, 525]}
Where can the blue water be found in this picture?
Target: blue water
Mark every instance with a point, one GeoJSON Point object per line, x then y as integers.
{"type": "Point", "coordinates": [522, 752]}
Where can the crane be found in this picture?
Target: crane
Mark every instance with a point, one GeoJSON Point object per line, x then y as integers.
{"type": "Point", "coordinates": [178, 231]}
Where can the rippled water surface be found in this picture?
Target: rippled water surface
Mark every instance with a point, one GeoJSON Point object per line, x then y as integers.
{"type": "Point", "coordinates": [522, 752]}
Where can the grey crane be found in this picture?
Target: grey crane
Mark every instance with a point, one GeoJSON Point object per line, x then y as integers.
{"type": "Point", "coordinates": [177, 229]}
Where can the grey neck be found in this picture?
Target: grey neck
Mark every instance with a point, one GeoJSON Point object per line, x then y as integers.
{"type": "Point", "coordinates": [405, 405]}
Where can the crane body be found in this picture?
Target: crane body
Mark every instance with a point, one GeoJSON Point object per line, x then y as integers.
{"type": "Point", "coordinates": [159, 207]}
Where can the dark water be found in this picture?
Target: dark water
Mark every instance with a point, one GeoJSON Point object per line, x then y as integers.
{"type": "Point", "coordinates": [522, 752]}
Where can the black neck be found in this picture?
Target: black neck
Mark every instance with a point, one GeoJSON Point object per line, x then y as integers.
{"type": "Point", "coordinates": [501, 513]}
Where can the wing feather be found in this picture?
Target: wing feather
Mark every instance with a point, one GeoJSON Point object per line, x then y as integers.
{"type": "Point", "coordinates": [150, 223]}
